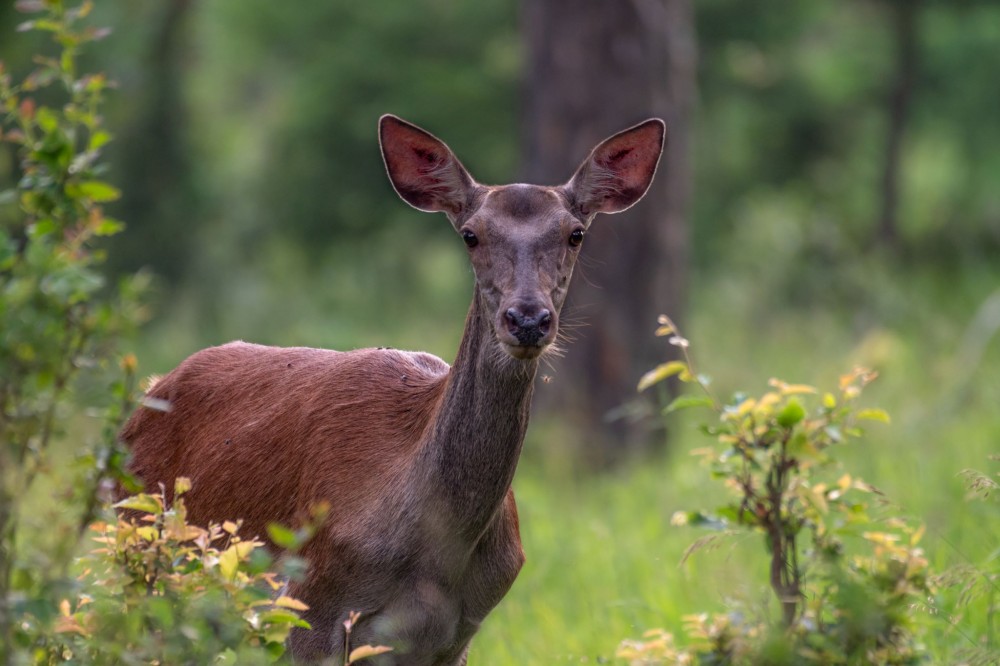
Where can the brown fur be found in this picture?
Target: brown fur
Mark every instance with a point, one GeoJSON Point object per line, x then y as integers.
{"type": "Point", "coordinates": [414, 458]}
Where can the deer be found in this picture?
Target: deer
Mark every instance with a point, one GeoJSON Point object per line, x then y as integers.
{"type": "Point", "coordinates": [414, 458]}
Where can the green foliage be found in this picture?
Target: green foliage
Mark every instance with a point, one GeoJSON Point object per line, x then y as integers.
{"type": "Point", "coordinates": [61, 323]}
{"type": "Point", "coordinates": [161, 590]}
{"type": "Point", "coordinates": [846, 581]}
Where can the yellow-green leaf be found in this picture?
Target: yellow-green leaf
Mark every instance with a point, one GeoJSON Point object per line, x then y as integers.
{"type": "Point", "coordinates": [99, 191]}
{"type": "Point", "coordinates": [874, 415]}
{"type": "Point", "coordinates": [148, 532]}
{"type": "Point", "coordinates": [282, 616]}
{"type": "Point", "coordinates": [661, 372]}
{"type": "Point", "coordinates": [182, 484]}
{"type": "Point", "coordinates": [281, 535]}
{"type": "Point", "coordinates": [289, 602]}
{"type": "Point", "coordinates": [792, 413]}
{"type": "Point", "coordinates": [227, 658]}
{"type": "Point", "coordinates": [98, 139]}
{"type": "Point", "coordinates": [141, 502]}
{"type": "Point", "coordinates": [109, 227]}
{"type": "Point", "coordinates": [365, 651]}
{"type": "Point", "coordinates": [229, 560]}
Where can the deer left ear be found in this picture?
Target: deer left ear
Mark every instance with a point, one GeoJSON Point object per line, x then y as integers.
{"type": "Point", "coordinates": [422, 169]}
{"type": "Point", "coordinates": [619, 170]}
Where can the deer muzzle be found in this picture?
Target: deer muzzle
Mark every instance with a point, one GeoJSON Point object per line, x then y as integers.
{"type": "Point", "coordinates": [526, 330]}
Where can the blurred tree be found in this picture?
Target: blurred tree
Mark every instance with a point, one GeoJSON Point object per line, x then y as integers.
{"type": "Point", "coordinates": [152, 158]}
{"type": "Point", "coordinates": [594, 69]}
{"type": "Point", "coordinates": [904, 17]}
{"type": "Point", "coordinates": [265, 209]}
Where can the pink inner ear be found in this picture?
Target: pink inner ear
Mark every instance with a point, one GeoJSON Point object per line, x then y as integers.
{"type": "Point", "coordinates": [422, 169]}
{"type": "Point", "coordinates": [430, 158]}
{"type": "Point", "coordinates": [625, 165]}
{"type": "Point", "coordinates": [410, 154]}
{"type": "Point", "coordinates": [632, 155]}
{"type": "Point", "coordinates": [620, 169]}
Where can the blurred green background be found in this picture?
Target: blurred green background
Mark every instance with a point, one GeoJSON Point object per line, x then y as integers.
{"type": "Point", "coordinates": [844, 207]}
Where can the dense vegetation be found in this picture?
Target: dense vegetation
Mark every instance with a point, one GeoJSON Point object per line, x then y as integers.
{"type": "Point", "coordinates": [245, 152]}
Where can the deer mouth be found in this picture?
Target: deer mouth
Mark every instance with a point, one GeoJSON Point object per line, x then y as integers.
{"type": "Point", "coordinates": [523, 352]}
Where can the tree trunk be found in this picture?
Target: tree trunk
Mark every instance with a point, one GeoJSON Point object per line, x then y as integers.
{"type": "Point", "coordinates": [595, 68]}
{"type": "Point", "coordinates": [155, 166]}
{"type": "Point", "coordinates": [904, 25]}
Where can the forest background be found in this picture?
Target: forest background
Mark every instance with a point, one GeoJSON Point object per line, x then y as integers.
{"type": "Point", "coordinates": [830, 197]}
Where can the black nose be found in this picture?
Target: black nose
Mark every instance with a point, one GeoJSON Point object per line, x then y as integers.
{"type": "Point", "coordinates": [528, 328]}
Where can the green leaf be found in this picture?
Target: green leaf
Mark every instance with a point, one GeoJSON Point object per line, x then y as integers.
{"type": "Point", "coordinates": [141, 502]}
{"type": "Point", "coordinates": [282, 616]}
{"type": "Point", "coordinates": [99, 191]}
{"type": "Point", "coordinates": [686, 401]}
{"type": "Point", "coordinates": [109, 227]}
{"type": "Point", "coordinates": [47, 119]}
{"type": "Point", "coordinates": [874, 415]}
{"type": "Point", "coordinates": [792, 413]}
{"type": "Point", "coordinates": [661, 372]}
{"type": "Point", "coordinates": [275, 650]}
{"type": "Point", "coordinates": [282, 536]}
{"type": "Point", "coordinates": [227, 658]}
{"type": "Point", "coordinates": [42, 228]}
{"type": "Point", "coordinates": [99, 139]}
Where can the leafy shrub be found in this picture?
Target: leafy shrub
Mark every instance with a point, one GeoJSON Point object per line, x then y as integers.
{"type": "Point", "coordinates": [161, 590]}
{"type": "Point", "coordinates": [776, 453]}
{"type": "Point", "coordinates": [61, 322]}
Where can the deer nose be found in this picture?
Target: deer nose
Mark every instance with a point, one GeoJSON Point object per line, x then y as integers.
{"type": "Point", "coordinates": [526, 327]}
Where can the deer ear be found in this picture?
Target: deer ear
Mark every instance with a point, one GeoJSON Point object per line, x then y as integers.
{"type": "Point", "coordinates": [619, 170]}
{"type": "Point", "coordinates": [423, 170]}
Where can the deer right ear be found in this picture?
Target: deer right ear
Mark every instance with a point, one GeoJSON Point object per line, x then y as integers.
{"type": "Point", "coordinates": [619, 170]}
{"type": "Point", "coordinates": [423, 170]}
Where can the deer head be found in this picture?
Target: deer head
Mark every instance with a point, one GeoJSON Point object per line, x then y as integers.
{"type": "Point", "coordinates": [523, 240]}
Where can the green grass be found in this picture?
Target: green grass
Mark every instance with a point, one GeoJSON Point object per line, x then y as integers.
{"type": "Point", "coordinates": [602, 558]}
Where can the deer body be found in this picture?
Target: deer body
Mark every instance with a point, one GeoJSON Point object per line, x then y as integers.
{"type": "Point", "coordinates": [414, 457]}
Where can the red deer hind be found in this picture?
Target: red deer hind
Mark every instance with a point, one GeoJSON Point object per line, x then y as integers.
{"type": "Point", "coordinates": [415, 458]}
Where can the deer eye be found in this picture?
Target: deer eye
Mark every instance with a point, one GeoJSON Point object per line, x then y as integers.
{"type": "Point", "coordinates": [576, 237]}
{"type": "Point", "coordinates": [470, 238]}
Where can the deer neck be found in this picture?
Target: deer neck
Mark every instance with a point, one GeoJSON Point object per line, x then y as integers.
{"type": "Point", "coordinates": [474, 442]}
